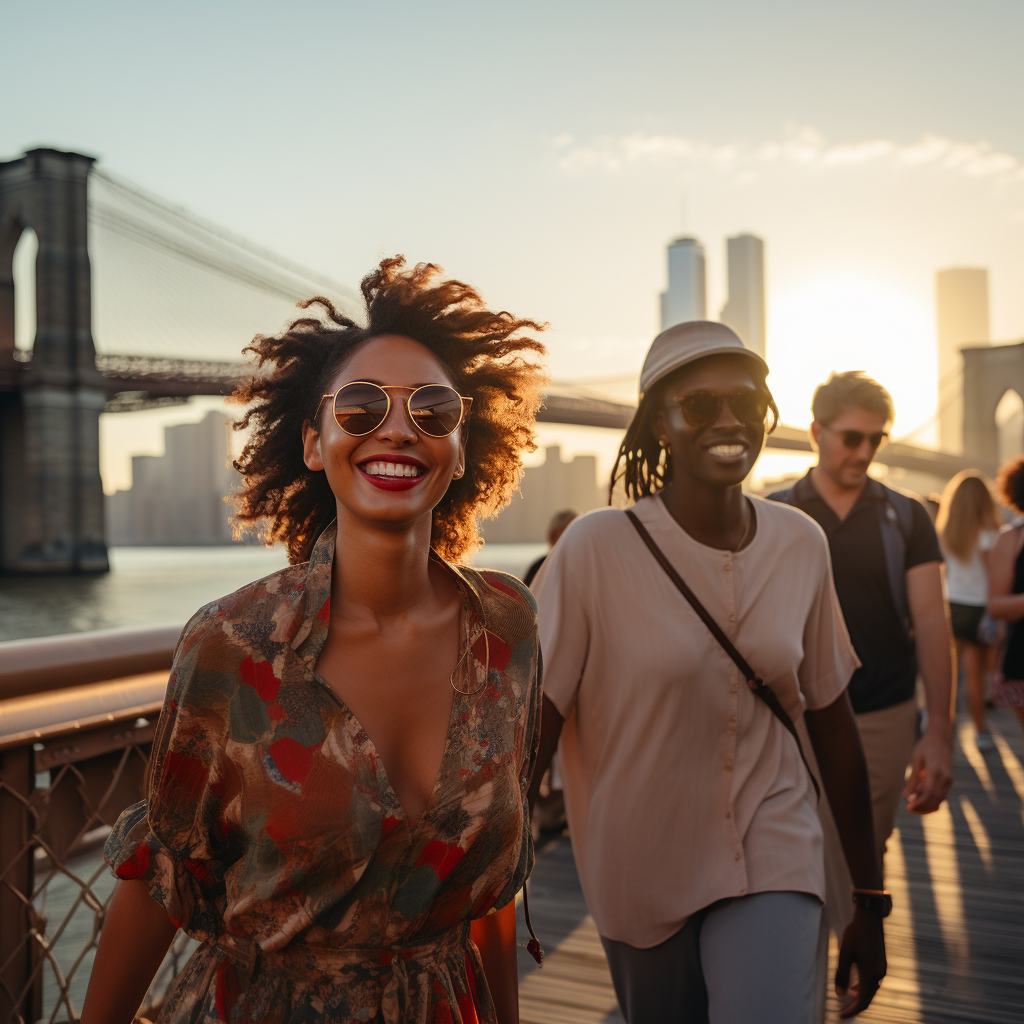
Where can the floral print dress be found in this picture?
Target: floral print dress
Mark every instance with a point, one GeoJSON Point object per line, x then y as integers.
{"type": "Point", "coordinates": [271, 832]}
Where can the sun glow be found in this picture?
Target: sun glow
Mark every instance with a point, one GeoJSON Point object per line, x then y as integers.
{"type": "Point", "coordinates": [854, 322]}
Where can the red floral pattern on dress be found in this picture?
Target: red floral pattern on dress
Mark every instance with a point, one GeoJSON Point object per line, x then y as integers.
{"type": "Point", "coordinates": [260, 676]}
{"type": "Point", "coordinates": [442, 857]}
{"type": "Point", "coordinates": [136, 866]}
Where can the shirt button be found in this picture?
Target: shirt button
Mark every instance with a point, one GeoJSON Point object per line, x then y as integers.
{"type": "Point", "coordinates": [738, 856]}
{"type": "Point", "coordinates": [728, 568]}
{"type": "Point", "coordinates": [732, 618]}
{"type": "Point", "coordinates": [728, 814]}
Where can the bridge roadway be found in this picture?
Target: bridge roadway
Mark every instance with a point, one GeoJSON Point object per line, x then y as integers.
{"type": "Point", "coordinates": [138, 382]}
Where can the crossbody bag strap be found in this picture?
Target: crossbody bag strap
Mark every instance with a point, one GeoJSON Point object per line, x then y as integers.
{"type": "Point", "coordinates": [754, 681]}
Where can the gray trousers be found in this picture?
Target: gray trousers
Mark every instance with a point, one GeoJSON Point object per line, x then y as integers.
{"type": "Point", "coordinates": [748, 960]}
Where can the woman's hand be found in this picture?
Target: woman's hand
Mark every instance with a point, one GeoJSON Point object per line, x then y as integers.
{"type": "Point", "coordinates": [864, 945]}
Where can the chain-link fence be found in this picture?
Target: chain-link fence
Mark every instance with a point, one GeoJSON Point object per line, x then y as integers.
{"type": "Point", "coordinates": [60, 791]}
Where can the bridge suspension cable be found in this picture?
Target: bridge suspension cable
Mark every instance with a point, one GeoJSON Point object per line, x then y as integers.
{"type": "Point", "coordinates": [236, 256]}
{"type": "Point", "coordinates": [171, 284]}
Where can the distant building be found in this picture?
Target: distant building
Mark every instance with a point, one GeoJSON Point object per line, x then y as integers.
{"type": "Point", "coordinates": [178, 497]}
{"type": "Point", "coordinates": [962, 319]}
{"type": "Point", "coordinates": [744, 310]}
{"type": "Point", "coordinates": [686, 297]}
{"type": "Point", "coordinates": [544, 490]}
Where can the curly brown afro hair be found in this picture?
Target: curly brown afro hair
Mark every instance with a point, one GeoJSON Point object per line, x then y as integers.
{"type": "Point", "coordinates": [1010, 484]}
{"type": "Point", "coordinates": [485, 355]}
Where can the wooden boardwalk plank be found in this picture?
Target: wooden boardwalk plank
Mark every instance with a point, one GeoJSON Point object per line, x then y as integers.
{"type": "Point", "coordinates": [955, 940]}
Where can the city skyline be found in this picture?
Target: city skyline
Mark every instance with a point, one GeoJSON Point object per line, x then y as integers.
{"type": "Point", "coordinates": [178, 497]}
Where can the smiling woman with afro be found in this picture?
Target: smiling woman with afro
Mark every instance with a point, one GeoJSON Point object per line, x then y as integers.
{"type": "Point", "coordinates": [337, 795]}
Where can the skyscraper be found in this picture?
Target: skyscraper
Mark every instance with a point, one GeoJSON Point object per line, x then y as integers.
{"type": "Point", "coordinates": [178, 497]}
{"type": "Point", "coordinates": [685, 299]}
{"type": "Point", "coordinates": [962, 319]}
{"type": "Point", "coordinates": [744, 311]}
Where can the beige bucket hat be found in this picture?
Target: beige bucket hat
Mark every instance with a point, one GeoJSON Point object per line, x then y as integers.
{"type": "Point", "coordinates": [685, 343]}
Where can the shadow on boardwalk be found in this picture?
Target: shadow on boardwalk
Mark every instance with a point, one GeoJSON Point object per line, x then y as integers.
{"type": "Point", "coordinates": [955, 939]}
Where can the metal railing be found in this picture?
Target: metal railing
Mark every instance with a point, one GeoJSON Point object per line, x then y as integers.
{"type": "Point", "coordinates": [77, 719]}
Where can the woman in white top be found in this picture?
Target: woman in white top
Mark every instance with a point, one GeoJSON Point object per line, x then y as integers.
{"type": "Point", "coordinates": [968, 527]}
{"type": "Point", "coordinates": [694, 822]}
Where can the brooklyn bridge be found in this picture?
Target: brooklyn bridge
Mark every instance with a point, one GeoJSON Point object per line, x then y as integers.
{"type": "Point", "coordinates": [53, 392]}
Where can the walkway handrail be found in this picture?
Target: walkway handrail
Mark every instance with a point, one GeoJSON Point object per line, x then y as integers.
{"type": "Point", "coordinates": [57, 662]}
{"type": "Point", "coordinates": [77, 718]}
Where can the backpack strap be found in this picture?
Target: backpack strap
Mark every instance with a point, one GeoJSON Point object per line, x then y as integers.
{"type": "Point", "coordinates": [754, 681]}
{"type": "Point", "coordinates": [896, 518]}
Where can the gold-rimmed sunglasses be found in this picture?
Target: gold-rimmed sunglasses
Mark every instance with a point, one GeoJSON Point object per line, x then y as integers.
{"type": "Point", "coordinates": [360, 407]}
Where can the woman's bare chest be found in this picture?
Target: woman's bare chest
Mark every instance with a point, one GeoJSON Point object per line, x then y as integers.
{"type": "Point", "coordinates": [397, 686]}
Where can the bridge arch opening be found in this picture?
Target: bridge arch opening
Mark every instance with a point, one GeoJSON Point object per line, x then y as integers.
{"type": "Point", "coordinates": [1009, 418]}
{"type": "Point", "coordinates": [23, 269]}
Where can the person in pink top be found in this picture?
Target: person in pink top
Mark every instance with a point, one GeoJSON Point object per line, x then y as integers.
{"type": "Point", "coordinates": [690, 804]}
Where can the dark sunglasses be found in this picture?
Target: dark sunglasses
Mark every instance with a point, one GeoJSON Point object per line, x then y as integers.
{"type": "Point", "coordinates": [748, 405]}
{"type": "Point", "coordinates": [433, 409]}
{"type": "Point", "coordinates": [855, 438]}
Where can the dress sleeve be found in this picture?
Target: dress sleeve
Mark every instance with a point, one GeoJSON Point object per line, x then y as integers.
{"type": "Point", "coordinates": [829, 659]}
{"type": "Point", "coordinates": [176, 840]}
{"type": "Point", "coordinates": [563, 624]}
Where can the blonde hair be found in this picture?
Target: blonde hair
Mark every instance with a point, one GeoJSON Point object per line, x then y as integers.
{"type": "Point", "coordinates": [966, 508]}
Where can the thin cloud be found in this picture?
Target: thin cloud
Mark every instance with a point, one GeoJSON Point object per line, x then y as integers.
{"type": "Point", "coordinates": [802, 147]}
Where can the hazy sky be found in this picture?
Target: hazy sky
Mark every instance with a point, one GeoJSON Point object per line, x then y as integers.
{"type": "Point", "coordinates": [548, 152]}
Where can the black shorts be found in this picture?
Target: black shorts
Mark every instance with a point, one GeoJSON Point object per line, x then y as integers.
{"type": "Point", "coordinates": [966, 619]}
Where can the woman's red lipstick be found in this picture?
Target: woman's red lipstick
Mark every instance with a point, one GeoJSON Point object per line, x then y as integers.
{"type": "Point", "coordinates": [375, 469]}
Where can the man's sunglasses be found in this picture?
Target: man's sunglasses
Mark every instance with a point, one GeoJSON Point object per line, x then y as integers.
{"type": "Point", "coordinates": [433, 409]}
{"type": "Point", "coordinates": [853, 439]}
{"type": "Point", "coordinates": [748, 405]}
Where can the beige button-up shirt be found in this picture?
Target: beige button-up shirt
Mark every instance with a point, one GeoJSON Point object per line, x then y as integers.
{"type": "Point", "coordinates": [681, 786]}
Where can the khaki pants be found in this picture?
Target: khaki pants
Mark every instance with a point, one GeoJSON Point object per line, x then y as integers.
{"type": "Point", "coordinates": [888, 738]}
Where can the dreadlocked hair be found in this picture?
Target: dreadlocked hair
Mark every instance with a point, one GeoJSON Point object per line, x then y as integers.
{"type": "Point", "coordinates": [484, 355]}
{"type": "Point", "coordinates": [648, 467]}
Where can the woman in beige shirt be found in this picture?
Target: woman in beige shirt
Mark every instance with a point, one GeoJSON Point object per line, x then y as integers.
{"type": "Point", "coordinates": [693, 818]}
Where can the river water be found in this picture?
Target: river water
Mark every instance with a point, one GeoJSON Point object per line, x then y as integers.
{"type": "Point", "coordinates": [163, 587]}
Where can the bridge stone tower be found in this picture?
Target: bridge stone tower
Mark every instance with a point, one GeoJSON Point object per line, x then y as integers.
{"type": "Point", "coordinates": [51, 497]}
{"type": "Point", "coordinates": [989, 372]}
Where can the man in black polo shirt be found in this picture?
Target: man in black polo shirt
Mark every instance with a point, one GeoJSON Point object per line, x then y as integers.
{"type": "Point", "coordinates": [887, 567]}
